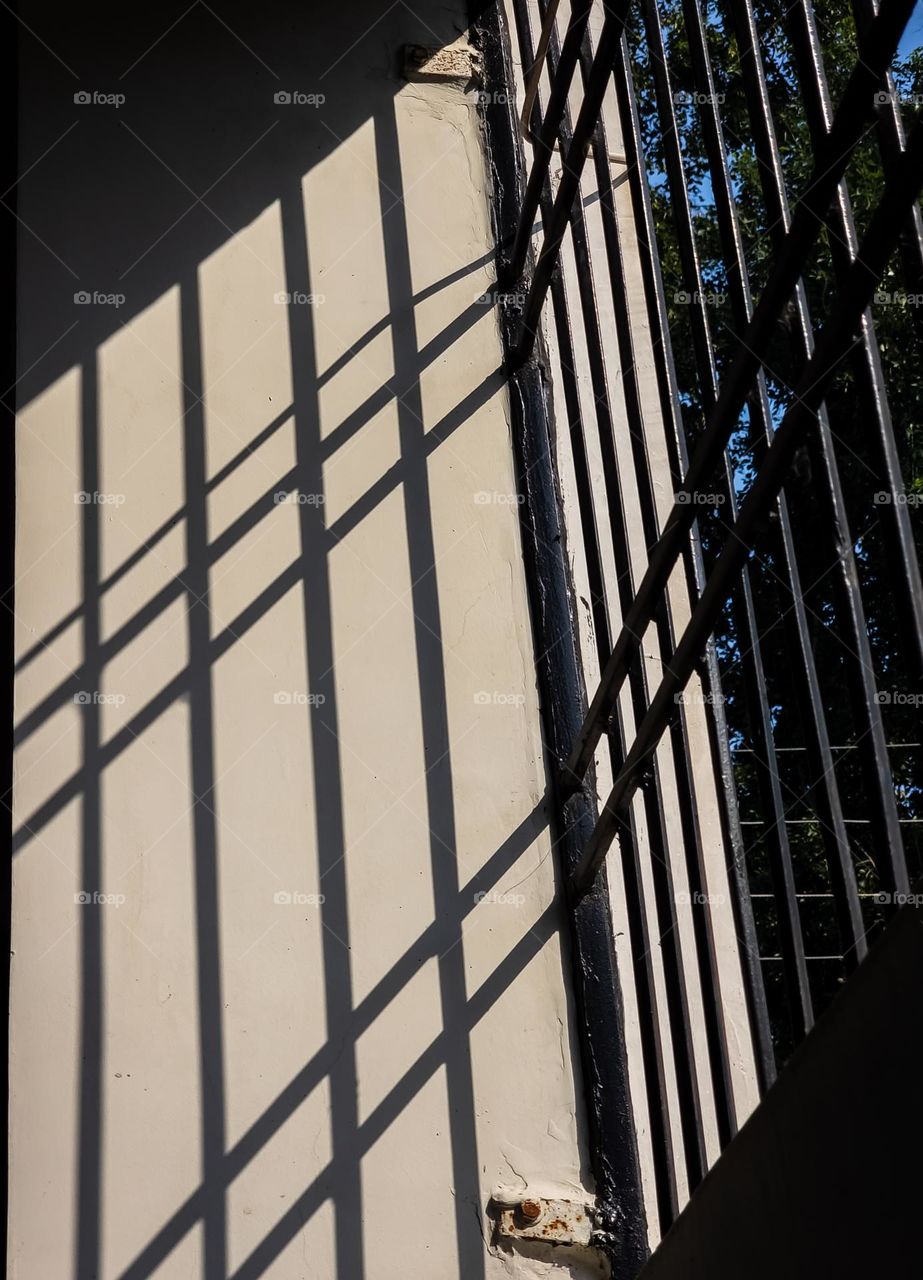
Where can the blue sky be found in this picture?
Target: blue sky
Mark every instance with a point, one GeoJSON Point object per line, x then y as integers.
{"type": "Point", "coordinates": [913, 36]}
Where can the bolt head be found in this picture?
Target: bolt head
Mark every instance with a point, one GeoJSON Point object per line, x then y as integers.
{"type": "Point", "coordinates": [531, 1210]}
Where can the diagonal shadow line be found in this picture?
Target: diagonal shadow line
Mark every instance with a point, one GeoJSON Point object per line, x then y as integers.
{"type": "Point", "coordinates": [426, 444]}
{"type": "Point", "coordinates": [148, 544]}
{"type": "Point", "coordinates": [392, 390]}
{"type": "Point", "coordinates": [169, 593]}
{"type": "Point", "coordinates": [247, 618]}
{"type": "Point", "coordinates": [426, 947]}
{"type": "Point", "coordinates": [346, 430]}
{"type": "Point", "coordinates": [375, 331]}
{"type": "Point", "coordinates": [262, 506]}
{"type": "Point", "coordinates": [374, 403]}
{"type": "Point", "coordinates": [427, 1064]}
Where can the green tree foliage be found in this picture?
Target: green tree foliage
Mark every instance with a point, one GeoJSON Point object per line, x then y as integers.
{"type": "Point", "coordinates": [898, 326]}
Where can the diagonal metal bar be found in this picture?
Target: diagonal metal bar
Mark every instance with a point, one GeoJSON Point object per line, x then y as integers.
{"type": "Point", "coordinates": [834, 345]}
{"type": "Point", "coordinates": [850, 122]}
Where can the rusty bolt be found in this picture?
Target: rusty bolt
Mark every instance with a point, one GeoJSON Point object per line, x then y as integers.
{"type": "Point", "coordinates": [531, 1210]}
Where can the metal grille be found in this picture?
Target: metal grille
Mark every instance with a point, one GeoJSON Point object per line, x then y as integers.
{"type": "Point", "coordinates": [794, 482]}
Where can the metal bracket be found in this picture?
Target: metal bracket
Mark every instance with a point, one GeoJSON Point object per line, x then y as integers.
{"type": "Point", "coordinates": [534, 1217]}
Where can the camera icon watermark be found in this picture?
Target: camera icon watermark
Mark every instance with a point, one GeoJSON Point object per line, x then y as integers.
{"type": "Point", "coordinates": [690, 98]}
{"type": "Point", "coordinates": [710, 298]}
{"type": "Point", "coordinates": [514, 300]}
{"type": "Point", "coordinates": [93, 698]}
{"type": "Point", "coordinates": [83, 298]}
{"type": "Point", "coordinates": [297, 97]}
{"type": "Point", "coordinates": [885, 499]}
{"type": "Point", "coordinates": [295, 898]}
{"type": "Point", "coordinates": [486, 98]}
{"type": "Point", "coordinates": [698, 698]}
{"type": "Point", "coordinates": [485, 498]}
{"type": "Point", "coordinates": [898, 698]}
{"type": "Point", "coordinates": [83, 498]}
{"type": "Point", "coordinates": [295, 698]}
{"type": "Point", "coordinates": [497, 698]}
{"type": "Point", "coordinates": [687, 499]}
{"type": "Point", "coordinates": [95, 98]}
{"type": "Point", "coordinates": [496, 899]}
{"type": "Point", "coordinates": [298, 299]}
{"type": "Point", "coordinates": [95, 899]}
{"type": "Point", "coordinates": [897, 298]}
{"type": "Point", "coordinates": [883, 98]}
{"type": "Point", "coordinates": [295, 498]}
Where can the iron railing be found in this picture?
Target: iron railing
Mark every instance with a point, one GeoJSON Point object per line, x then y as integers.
{"type": "Point", "coordinates": [770, 475]}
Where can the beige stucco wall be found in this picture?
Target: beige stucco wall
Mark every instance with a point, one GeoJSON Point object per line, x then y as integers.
{"type": "Point", "coordinates": [285, 747]}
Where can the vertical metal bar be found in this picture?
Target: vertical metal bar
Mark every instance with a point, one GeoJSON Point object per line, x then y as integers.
{"type": "Point", "coordinates": [866, 358]}
{"type": "Point", "coordinates": [831, 163]}
{"type": "Point", "coordinates": [660, 862]}
{"type": "Point", "coordinates": [573, 163]}
{"type": "Point", "coordinates": [776, 834]}
{"type": "Point", "coordinates": [825, 792]}
{"type": "Point", "coordinates": [891, 142]}
{"type": "Point", "coordinates": [620, 1229]}
{"type": "Point", "coordinates": [691, 835]}
{"type": "Point", "coordinates": [534, 75]}
{"type": "Point", "coordinates": [833, 517]}
{"type": "Point", "coordinates": [643, 945]}
{"type": "Point", "coordinates": [541, 161]}
{"type": "Point", "coordinates": [669, 401]}
{"type": "Point", "coordinates": [834, 344]}
{"type": "Point", "coordinates": [792, 945]}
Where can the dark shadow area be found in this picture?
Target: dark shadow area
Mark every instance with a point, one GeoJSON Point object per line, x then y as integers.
{"type": "Point", "coordinates": [132, 200]}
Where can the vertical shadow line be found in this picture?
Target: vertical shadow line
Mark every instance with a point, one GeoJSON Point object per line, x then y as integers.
{"type": "Point", "coordinates": [433, 701]}
{"type": "Point", "coordinates": [90, 1137]}
{"type": "Point", "coordinates": [202, 769]}
{"type": "Point", "coordinates": [345, 1183]}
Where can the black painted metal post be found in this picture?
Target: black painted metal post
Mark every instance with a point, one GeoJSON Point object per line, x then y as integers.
{"type": "Point", "coordinates": [620, 1228]}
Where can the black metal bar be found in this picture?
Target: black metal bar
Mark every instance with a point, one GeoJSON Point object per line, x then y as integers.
{"type": "Point", "coordinates": [834, 344]}
{"type": "Point", "coordinates": [573, 162]}
{"type": "Point", "coordinates": [679, 462]}
{"type": "Point", "coordinates": [654, 807]}
{"type": "Point", "coordinates": [891, 143]}
{"type": "Point", "coordinates": [847, 128]}
{"type": "Point", "coordinates": [744, 609]}
{"type": "Point", "coordinates": [828, 488]}
{"type": "Point", "coordinates": [805, 679]}
{"type": "Point", "coordinates": [779, 851]}
{"type": "Point", "coordinates": [620, 1219]}
{"type": "Point", "coordinates": [870, 377]}
{"type": "Point", "coordinates": [642, 943]}
{"type": "Point", "coordinates": [691, 836]}
{"type": "Point", "coordinates": [557, 102]}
